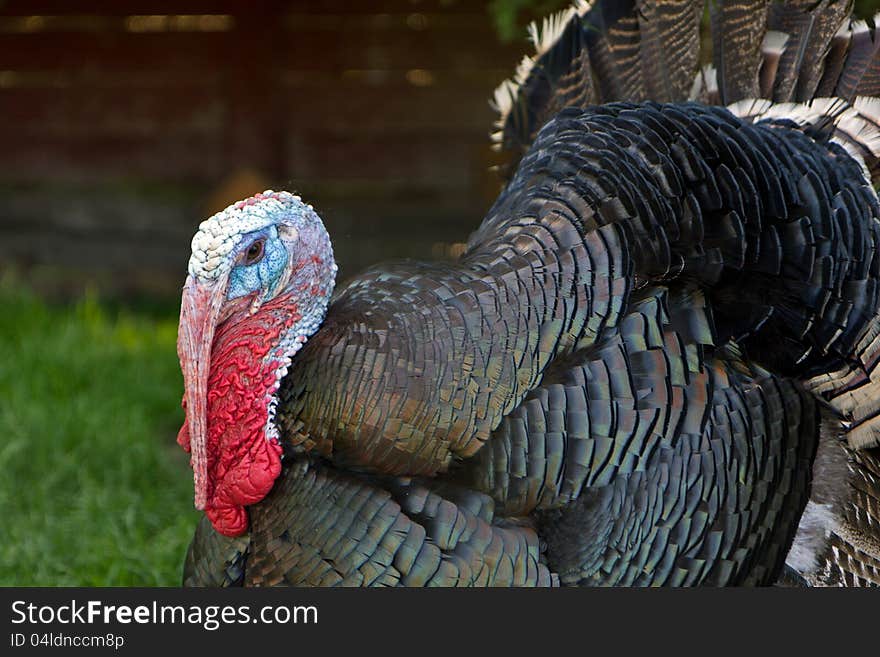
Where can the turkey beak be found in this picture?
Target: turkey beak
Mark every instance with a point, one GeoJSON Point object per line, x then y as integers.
{"type": "Point", "coordinates": [199, 311]}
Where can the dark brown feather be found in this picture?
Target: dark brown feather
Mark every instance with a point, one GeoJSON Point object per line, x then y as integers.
{"type": "Point", "coordinates": [613, 38]}
{"type": "Point", "coordinates": [862, 50]}
{"type": "Point", "coordinates": [738, 28]}
{"type": "Point", "coordinates": [835, 61]}
{"type": "Point", "coordinates": [829, 15]}
{"type": "Point", "coordinates": [670, 46]}
{"type": "Point", "coordinates": [797, 21]}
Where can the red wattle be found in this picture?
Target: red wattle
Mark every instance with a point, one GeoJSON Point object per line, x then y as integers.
{"type": "Point", "coordinates": [242, 462]}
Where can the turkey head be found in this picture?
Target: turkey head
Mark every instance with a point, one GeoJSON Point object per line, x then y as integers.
{"type": "Point", "coordinates": [259, 280]}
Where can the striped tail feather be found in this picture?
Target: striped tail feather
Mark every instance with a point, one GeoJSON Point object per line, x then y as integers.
{"type": "Point", "coordinates": [859, 59]}
{"type": "Point", "coordinates": [637, 50]}
{"type": "Point", "coordinates": [613, 40]}
{"type": "Point", "coordinates": [557, 76]}
{"type": "Point", "coordinates": [737, 57]}
{"type": "Point", "coordinates": [789, 19]}
{"type": "Point", "coordinates": [811, 27]}
{"type": "Point", "coordinates": [853, 391]}
{"type": "Point", "coordinates": [830, 16]}
{"type": "Point", "coordinates": [670, 47]}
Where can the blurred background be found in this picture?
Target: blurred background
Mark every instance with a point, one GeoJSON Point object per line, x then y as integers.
{"type": "Point", "coordinates": [125, 123]}
{"type": "Point", "coordinates": [122, 126]}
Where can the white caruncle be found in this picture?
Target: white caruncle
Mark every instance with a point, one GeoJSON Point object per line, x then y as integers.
{"type": "Point", "coordinates": [287, 348]}
{"type": "Point", "coordinates": [218, 235]}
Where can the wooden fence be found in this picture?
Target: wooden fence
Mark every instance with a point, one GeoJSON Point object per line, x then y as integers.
{"type": "Point", "coordinates": [123, 124]}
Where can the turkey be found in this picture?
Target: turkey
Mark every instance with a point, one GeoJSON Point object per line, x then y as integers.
{"type": "Point", "coordinates": [654, 364]}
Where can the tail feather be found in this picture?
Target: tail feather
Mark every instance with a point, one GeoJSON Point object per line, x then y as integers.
{"type": "Point", "coordinates": [835, 59]}
{"type": "Point", "coordinates": [670, 46]}
{"type": "Point", "coordinates": [705, 87]}
{"type": "Point", "coordinates": [772, 50]}
{"type": "Point", "coordinates": [797, 23]}
{"type": "Point", "coordinates": [635, 50]}
{"type": "Point", "coordinates": [557, 76]}
{"type": "Point", "coordinates": [862, 51]}
{"type": "Point", "coordinates": [738, 32]}
{"type": "Point", "coordinates": [614, 40]}
{"type": "Point", "coordinates": [869, 85]}
{"type": "Point", "coordinates": [853, 391]}
{"type": "Point", "coordinates": [829, 16]}
{"type": "Point", "coordinates": [586, 54]}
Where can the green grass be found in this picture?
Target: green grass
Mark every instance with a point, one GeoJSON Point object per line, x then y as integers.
{"type": "Point", "coordinates": [94, 489]}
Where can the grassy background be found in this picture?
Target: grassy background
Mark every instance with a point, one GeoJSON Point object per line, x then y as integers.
{"type": "Point", "coordinates": [94, 491]}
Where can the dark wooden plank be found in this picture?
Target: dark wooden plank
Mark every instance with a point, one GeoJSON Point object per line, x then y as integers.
{"type": "Point", "coordinates": [422, 159]}
{"type": "Point", "coordinates": [176, 51]}
{"type": "Point", "coordinates": [446, 109]}
{"type": "Point", "coordinates": [256, 127]}
{"type": "Point", "coordinates": [84, 109]}
{"type": "Point", "coordinates": [376, 111]}
{"type": "Point", "coordinates": [405, 49]}
{"type": "Point", "coordinates": [420, 20]}
{"type": "Point", "coordinates": [397, 78]}
{"type": "Point", "coordinates": [147, 7]}
{"type": "Point", "coordinates": [117, 8]}
{"type": "Point", "coordinates": [463, 23]}
{"type": "Point", "coordinates": [149, 111]}
{"type": "Point", "coordinates": [115, 51]}
{"type": "Point", "coordinates": [91, 158]}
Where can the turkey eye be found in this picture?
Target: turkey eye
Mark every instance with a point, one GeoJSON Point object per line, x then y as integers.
{"type": "Point", "coordinates": [254, 252]}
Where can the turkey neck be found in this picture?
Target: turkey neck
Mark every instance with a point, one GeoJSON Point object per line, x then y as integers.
{"type": "Point", "coordinates": [417, 364]}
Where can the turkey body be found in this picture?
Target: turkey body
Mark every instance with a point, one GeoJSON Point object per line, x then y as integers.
{"type": "Point", "coordinates": [662, 329]}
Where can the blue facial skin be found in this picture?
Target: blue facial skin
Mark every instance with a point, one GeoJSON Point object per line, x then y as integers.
{"type": "Point", "coordinates": [262, 275]}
